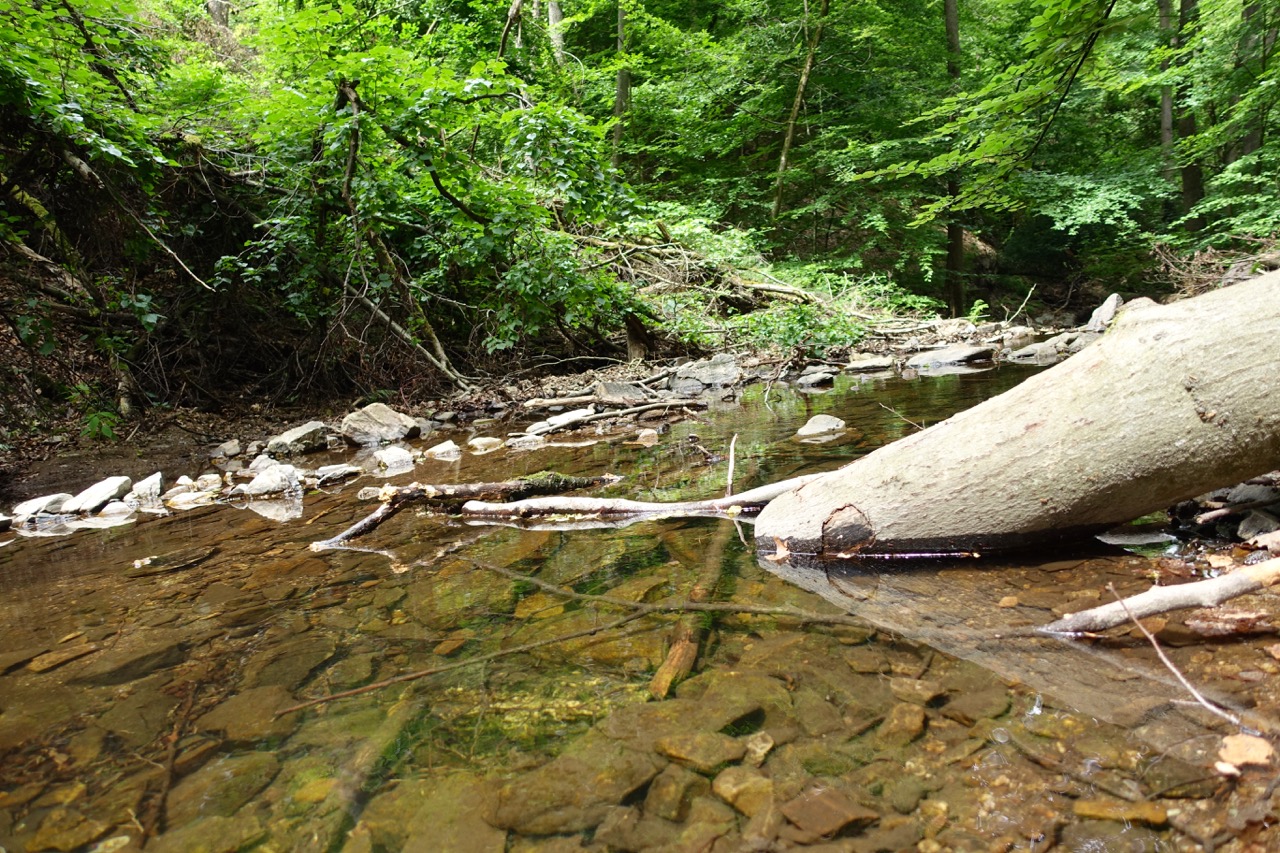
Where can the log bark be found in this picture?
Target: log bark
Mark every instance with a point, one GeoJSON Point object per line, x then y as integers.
{"type": "Point", "coordinates": [1173, 401]}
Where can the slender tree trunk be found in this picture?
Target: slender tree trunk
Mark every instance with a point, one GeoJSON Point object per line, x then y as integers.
{"type": "Point", "coordinates": [1192, 171]}
{"type": "Point", "coordinates": [622, 94]}
{"type": "Point", "coordinates": [1169, 404]}
{"type": "Point", "coordinates": [555, 29]}
{"type": "Point", "coordinates": [1166, 96]}
{"type": "Point", "coordinates": [955, 231]}
{"type": "Point", "coordinates": [805, 70]}
{"type": "Point", "coordinates": [219, 11]}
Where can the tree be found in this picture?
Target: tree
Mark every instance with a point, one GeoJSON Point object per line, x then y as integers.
{"type": "Point", "coordinates": [1157, 411]}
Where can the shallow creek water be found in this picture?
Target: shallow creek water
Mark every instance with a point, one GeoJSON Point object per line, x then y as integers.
{"type": "Point", "coordinates": [143, 667]}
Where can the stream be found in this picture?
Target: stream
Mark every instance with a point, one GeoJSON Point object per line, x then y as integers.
{"type": "Point", "coordinates": [142, 666]}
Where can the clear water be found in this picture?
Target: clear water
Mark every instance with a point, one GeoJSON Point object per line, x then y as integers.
{"type": "Point", "coordinates": [138, 700]}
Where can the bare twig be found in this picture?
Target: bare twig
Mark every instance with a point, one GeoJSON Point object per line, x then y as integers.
{"type": "Point", "coordinates": [728, 489]}
{"type": "Point", "coordinates": [1177, 673]}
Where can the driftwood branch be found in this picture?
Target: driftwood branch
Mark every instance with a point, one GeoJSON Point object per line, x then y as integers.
{"type": "Point", "coordinates": [584, 509]}
{"type": "Point", "coordinates": [449, 496]}
{"type": "Point", "coordinates": [1162, 599]}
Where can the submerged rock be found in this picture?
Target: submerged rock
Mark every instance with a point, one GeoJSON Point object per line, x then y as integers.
{"type": "Point", "coordinates": [378, 423]}
{"type": "Point", "coordinates": [307, 438]}
{"type": "Point", "coordinates": [866, 363]}
{"type": "Point", "coordinates": [484, 444]}
{"type": "Point", "coordinates": [221, 787]}
{"type": "Point", "coordinates": [820, 425]}
{"type": "Point", "coordinates": [394, 459]}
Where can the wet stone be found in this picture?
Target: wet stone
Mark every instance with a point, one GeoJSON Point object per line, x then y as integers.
{"type": "Point", "coordinates": [905, 794]}
{"type": "Point", "coordinates": [221, 787]}
{"type": "Point", "coordinates": [352, 671]}
{"type": "Point", "coordinates": [249, 716]}
{"type": "Point", "coordinates": [917, 691]}
{"type": "Point", "coordinates": [825, 811]}
{"type": "Point", "coordinates": [290, 663]}
{"type": "Point", "coordinates": [744, 788]}
{"type": "Point", "coordinates": [1121, 810]}
{"type": "Point", "coordinates": [14, 659]}
{"type": "Point", "coordinates": [142, 716]}
{"type": "Point", "coordinates": [573, 791]}
{"type": "Point", "coordinates": [626, 828]}
{"type": "Point", "coordinates": [1090, 835]}
{"type": "Point", "coordinates": [815, 714]}
{"type": "Point", "coordinates": [137, 654]}
{"type": "Point", "coordinates": [66, 829]}
{"type": "Point", "coordinates": [215, 834]}
{"type": "Point", "coordinates": [904, 724]}
{"type": "Point", "coordinates": [702, 751]}
{"type": "Point", "coordinates": [968, 708]}
{"type": "Point", "coordinates": [59, 657]}
{"type": "Point", "coordinates": [672, 790]}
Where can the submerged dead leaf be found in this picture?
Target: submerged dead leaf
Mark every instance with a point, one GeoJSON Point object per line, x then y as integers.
{"type": "Point", "coordinates": [782, 551]}
{"type": "Point", "coordinates": [1242, 750]}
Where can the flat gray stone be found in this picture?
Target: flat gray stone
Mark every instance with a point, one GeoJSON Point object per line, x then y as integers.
{"type": "Point", "coordinates": [869, 363]}
{"type": "Point", "coordinates": [820, 425]}
{"type": "Point", "coordinates": [961, 354]}
{"type": "Point", "coordinates": [250, 716]}
{"type": "Point", "coordinates": [1104, 314]}
{"type": "Point", "coordinates": [378, 423]}
{"type": "Point", "coordinates": [717, 372]}
{"type": "Point", "coordinates": [136, 654]}
{"type": "Point", "coordinates": [307, 438]}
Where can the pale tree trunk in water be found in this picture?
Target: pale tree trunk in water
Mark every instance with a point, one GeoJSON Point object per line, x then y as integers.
{"type": "Point", "coordinates": [555, 29]}
{"type": "Point", "coordinates": [807, 69]}
{"type": "Point", "coordinates": [622, 96]}
{"type": "Point", "coordinates": [1172, 402]}
{"type": "Point", "coordinates": [955, 232]}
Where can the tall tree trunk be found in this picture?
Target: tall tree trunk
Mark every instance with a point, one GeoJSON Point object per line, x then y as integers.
{"type": "Point", "coordinates": [219, 11]}
{"type": "Point", "coordinates": [555, 30]}
{"type": "Point", "coordinates": [622, 94]}
{"type": "Point", "coordinates": [1192, 171]}
{"type": "Point", "coordinates": [955, 231]}
{"type": "Point", "coordinates": [1168, 34]}
{"type": "Point", "coordinates": [1169, 404]}
{"type": "Point", "coordinates": [811, 52]}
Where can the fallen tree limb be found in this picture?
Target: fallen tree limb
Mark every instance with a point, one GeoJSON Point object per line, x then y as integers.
{"type": "Point", "coordinates": [1162, 599]}
{"type": "Point", "coordinates": [450, 496]}
{"type": "Point", "coordinates": [572, 508]}
{"type": "Point", "coordinates": [1168, 404]}
{"type": "Point", "coordinates": [569, 419]}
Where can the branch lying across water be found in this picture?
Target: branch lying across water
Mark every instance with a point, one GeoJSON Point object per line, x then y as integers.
{"type": "Point", "coordinates": [1162, 599]}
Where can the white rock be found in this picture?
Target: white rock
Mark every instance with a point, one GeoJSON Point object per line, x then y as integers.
{"type": "Point", "coordinates": [820, 425]}
{"type": "Point", "coordinates": [46, 504]}
{"type": "Point", "coordinates": [313, 435]}
{"type": "Point", "coordinates": [227, 450]}
{"type": "Point", "coordinates": [377, 423]}
{"type": "Point", "coordinates": [261, 462]}
{"type": "Point", "coordinates": [445, 451]}
{"type": "Point", "coordinates": [147, 490]}
{"type": "Point", "coordinates": [96, 496]}
{"type": "Point", "coordinates": [647, 437]}
{"type": "Point", "coordinates": [484, 444]}
{"type": "Point", "coordinates": [333, 473]}
{"type": "Point", "coordinates": [394, 458]}
{"type": "Point", "coordinates": [865, 363]}
{"type": "Point", "coordinates": [209, 482]}
{"type": "Point", "coordinates": [274, 480]}
{"type": "Point", "coordinates": [188, 499]}
{"type": "Point", "coordinates": [114, 508]}
{"type": "Point", "coordinates": [566, 418]}
{"type": "Point", "coordinates": [526, 442]}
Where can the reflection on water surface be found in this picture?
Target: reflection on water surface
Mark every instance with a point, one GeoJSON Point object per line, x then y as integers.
{"type": "Point", "coordinates": [143, 667]}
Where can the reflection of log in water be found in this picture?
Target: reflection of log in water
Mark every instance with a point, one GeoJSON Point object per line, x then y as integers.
{"type": "Point", "coordinates": [953, 607]}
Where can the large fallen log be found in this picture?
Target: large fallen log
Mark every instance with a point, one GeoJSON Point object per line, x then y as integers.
{"type": "Point", "coordinates": [1172, 402]}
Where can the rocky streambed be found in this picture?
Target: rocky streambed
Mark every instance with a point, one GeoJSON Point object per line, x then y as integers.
{"type": "Point", "coordinates": [147, 670]}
